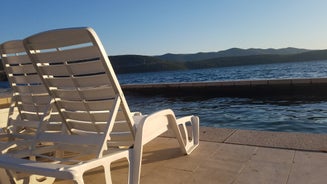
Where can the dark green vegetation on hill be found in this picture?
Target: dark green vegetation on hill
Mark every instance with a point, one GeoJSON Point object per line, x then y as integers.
{"type": "Point", "coordinates": [233, 52]}
{"type": "Point", "coordinates": [137, 63]}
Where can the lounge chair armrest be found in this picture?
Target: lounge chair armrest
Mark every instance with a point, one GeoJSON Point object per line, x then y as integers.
{"type": "Point", "coordinates": [153, 125]}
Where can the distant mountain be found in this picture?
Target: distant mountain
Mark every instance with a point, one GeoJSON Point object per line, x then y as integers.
{"type": "Point", "coordinates": [230, 57]}
{"type": "Point", "coordinates": [233, 52]}
{"type": "Point", "coordinates": [257, 59]}
{"type": "Point", "coordinates": [138, 63]}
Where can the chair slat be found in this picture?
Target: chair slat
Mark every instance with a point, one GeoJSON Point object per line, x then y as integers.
{"type": "Point", "coordinates": [88, 127]}
{"type": "Point", "coordinates": [28, 79]}
{"type": "Point", "coordinates": [30, 123]}
{"type": "Point", "coordinates": [120, 126]}
{"type": "Point", "coordinates": [77, 68]}
{"type": "Point", "coordinates": [57, 39]}
{"type": "Point", "coordinates": [20, 59]}
{"type": "Point", "coordinates": [121, 136]}
{"type": "Point", "coordinates": [80, 105]}
{"type": "Point", "coordinates": [70, 139]}
{"type": "Point", "coordinates": [86, 94]}
{"type": "Point", "coordinates": [32, 100]}
{"type": "Point", "coordinates": [19, 69]}
{"type": "Point", "coordinates": [85, 81]}
{"type": "Point", "coordinates": [31, 116]}
{"type": "Point", "coordinates": [88, 117]}
{"type": "Point", "coordinates": [32, 107]}
{"type": "Point", "coordinates": [78, 54]}
{"type": "Point", "coordinates": [35, 89]}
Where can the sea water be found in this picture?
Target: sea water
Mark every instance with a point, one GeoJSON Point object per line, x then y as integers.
{"type": "Point", "coordinates": [286, 113]}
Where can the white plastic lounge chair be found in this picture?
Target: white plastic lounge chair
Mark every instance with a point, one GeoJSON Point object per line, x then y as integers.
{"type": "Point", "coordinates": [78, 75]}
{"type": "Point", "coordinates": [30, 102]}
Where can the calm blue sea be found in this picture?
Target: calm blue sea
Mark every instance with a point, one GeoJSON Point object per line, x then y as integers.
{"type": "Point", "coordinates": [311, 69]}
{"type": "Point", "coordinates": [287, 114]}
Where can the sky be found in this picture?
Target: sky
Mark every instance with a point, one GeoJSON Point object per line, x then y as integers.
{"type": "Point", "coordinates": [156, 27]}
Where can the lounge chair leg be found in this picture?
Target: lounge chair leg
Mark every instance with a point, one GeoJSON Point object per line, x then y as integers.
{"type": "Point", "coordinates": [41, 179]}
{"type": "Point", "coordinates": [107, 173]}
{"type": "Point", "coordinates": [33, 179]}
{"type": "Point", "coordinates": [180, 130]}
{"type": "Point", "coordinates": [130, 167]}
{"type": "Point", "coordinates": [136, 162]}
{"type": "Point", "coordinates": [78, 180]}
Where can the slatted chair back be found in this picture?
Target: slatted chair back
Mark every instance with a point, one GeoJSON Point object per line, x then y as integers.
{"type": "Point", "coordinates": [77, 72]}
{"type": "Point", "coordinates": [30, 102]}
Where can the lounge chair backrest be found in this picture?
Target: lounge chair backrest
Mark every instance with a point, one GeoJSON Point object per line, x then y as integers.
{"type": "Point", "coordinates": [30, 99]}
{"type": "Point", "coordinates": [77, 72]}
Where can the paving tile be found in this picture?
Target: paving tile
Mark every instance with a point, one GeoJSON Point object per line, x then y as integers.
{"type": "Point", "coordinates": [215, 134]}
{"type": "Point", "coordinates": [302, 141]}
{"type": "Point", "coordinates": [308, 174]}
{"type": "Point", "coordinates": [264, 172]}
{"type": "Point", "coordinates": [158, 152]}
{"type": "Point", "coordinates": [315, 158]}
{"type": "Point", "coordinates": [210, 175]}
{"type": "Point", "coordinates": [309, 167]}
{"type": "Point", "coordinates": [231, 166]}
{"type": "Point", "coordinates": [164, 175]}
{"type": "Point", "coordinates": [238, 153]}
{"type": "Point", "coordinates": [205, 150]}
{"type": "Point", "coordinates": [274, 155]}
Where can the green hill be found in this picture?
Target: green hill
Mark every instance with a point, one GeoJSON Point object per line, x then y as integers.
{"type": "Point", "coordinates": [137, 63]}
{"type": "Point", "coordinates": [233, 52]}
{"type": "Point", "coordinates": [257, 59]}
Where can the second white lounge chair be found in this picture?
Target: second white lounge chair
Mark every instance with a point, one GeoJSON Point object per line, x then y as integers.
{"type": "Point", "coordinates": [30, 104]}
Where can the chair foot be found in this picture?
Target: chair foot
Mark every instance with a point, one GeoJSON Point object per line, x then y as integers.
{"type": "Point", "coordinates": [35, 179]}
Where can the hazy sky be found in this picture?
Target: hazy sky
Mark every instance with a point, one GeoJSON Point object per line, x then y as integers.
{"type": "Point", "coordinates": [155, 27]}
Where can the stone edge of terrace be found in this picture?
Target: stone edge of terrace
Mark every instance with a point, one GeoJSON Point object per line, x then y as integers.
{"type": "Point", "coordinates": [269, 139]}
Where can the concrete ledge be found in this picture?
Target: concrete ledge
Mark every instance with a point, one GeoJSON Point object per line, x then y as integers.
{"type": "Point", "coordinates": [271, 87]}
{"type": "Point", "coordinates": [284, 140]}
{"type": "Point", "coordinates": [297, 141]}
